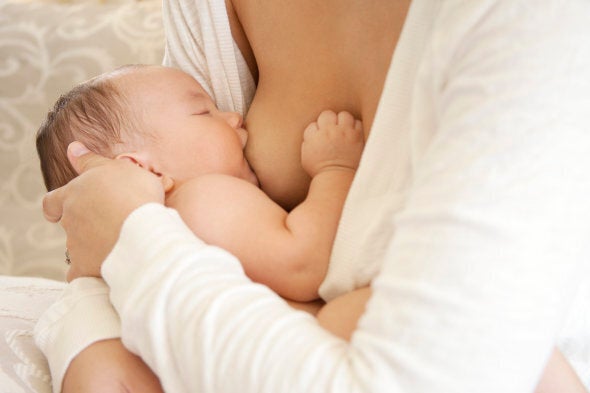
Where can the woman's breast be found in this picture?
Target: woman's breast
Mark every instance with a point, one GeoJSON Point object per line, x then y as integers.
{"type": "Point", "coordinates": [273, 149]}
{"type": "Point", "coordinates": [279, 114]}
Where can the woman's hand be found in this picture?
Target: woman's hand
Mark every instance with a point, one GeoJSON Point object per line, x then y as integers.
{"type": "Point", "coordinates": [92, 207]}
{"type": "Point", "coordinates": [108, 367]}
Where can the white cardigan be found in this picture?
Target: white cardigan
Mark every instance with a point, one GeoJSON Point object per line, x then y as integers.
{"type": "Point", "coordinates": [469, 208]}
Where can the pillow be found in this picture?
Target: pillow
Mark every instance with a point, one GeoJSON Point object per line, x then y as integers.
{"type": "Point", "coordinates": [45, 49]}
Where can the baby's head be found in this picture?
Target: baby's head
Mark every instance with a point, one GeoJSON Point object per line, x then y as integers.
{"type": "Point", "coordinates": [97, 113]}
{"type": "Point", "coordinates": [157, 117]}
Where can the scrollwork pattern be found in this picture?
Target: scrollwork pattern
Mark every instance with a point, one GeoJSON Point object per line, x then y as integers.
{"type": "Point", "coordinates": [46, 48]}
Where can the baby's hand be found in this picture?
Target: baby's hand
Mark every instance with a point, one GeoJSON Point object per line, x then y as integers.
{"type": "Point", "coordinates": [334, 141]}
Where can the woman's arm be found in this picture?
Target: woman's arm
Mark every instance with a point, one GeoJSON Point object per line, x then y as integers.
{"type": "Point", "coordinates": [79, 335]}
{"type": "Point", "coordinates": [82, 316]}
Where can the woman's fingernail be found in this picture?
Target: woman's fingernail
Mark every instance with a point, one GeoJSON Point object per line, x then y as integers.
{"type": "Point", "coordinates": [78, 149]}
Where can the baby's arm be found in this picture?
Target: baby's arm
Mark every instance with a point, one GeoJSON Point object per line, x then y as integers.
{"type": "Point", "coordinates": [289, 252]}
{"type": "Point", "coordinates": [330, 154]}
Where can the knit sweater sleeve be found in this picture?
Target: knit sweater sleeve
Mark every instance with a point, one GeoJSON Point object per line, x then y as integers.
{"type": "Point", "coordinates": [82, 316]}
{"type": "Point", "coordinates": [487, 252]}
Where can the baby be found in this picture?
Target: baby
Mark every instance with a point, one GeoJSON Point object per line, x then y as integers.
{"type": "Point", "coordinates": [162, 120]}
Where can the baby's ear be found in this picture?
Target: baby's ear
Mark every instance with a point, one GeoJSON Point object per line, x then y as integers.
{"type": "Point", "coordinates": [143, 162]}
{"type": "Point", "coordinates": [134, 158]}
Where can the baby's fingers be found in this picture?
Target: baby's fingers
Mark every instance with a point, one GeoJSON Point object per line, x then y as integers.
{"type": "Point", "coordinates": [358, 125]}
{"type": "Point", "coordinates": [346, 119]}
{"type": "Point", "coordinates": [327, 118]}
{"type": "Point", "coordinates": [310, 130]}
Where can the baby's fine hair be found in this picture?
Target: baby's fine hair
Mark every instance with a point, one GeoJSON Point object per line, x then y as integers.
{"type": "Point", "coordinates": [94, 113]}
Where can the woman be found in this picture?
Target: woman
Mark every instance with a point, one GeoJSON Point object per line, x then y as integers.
{"type": "Point", "coordinates": [470, 158]}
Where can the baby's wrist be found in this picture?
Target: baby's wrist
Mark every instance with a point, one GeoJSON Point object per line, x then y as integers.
{"type": "Point", "coordinates": [336, 170]}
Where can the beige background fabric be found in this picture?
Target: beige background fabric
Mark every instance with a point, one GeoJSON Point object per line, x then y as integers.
{"type": "Point", "coordinates": [46, 48]}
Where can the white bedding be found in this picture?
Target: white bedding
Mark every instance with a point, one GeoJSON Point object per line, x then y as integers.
{"type": "Point", "coordinates": [23, 368]}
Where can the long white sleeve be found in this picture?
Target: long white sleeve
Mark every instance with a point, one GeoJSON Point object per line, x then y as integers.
{"type": "Point", "coordinates": [81, 316]}
{"type": "Point", "coordinates": [487, 232]}
{"type": "Point", "coordinates": [225, 328]}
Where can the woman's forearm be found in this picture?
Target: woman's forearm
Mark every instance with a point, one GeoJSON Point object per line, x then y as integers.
{"type": "Point", "coordinates": [81, 317]}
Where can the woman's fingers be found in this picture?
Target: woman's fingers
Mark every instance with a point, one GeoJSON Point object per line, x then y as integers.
{"type": "Point", "coordinates": [83, 159]}
{"type": "Point", "coordinates": [92, 207]}
{"type": "Point", "coordinates": [53, 204]}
